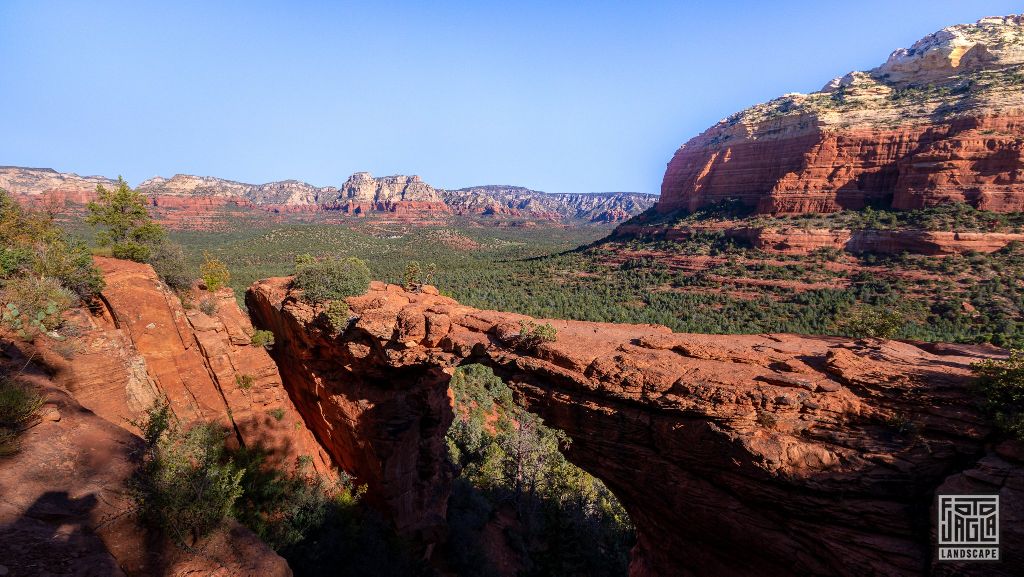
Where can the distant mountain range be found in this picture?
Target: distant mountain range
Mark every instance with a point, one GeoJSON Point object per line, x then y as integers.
{"type": "Point", "coordinates": [361, 194]}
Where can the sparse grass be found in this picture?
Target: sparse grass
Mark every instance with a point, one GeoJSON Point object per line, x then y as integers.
{"type": "Point", "coordinates": [245, 382]}
{"type": "Point", "coordinates": [262, 338]}
{"type": "Point", "coordinates": [18, 407]}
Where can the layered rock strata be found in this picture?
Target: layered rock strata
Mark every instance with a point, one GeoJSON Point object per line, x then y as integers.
{"type": "Point", "coordinates": [810, 455]}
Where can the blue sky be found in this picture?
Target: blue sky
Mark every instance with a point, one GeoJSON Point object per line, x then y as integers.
{"type": "Point", "coordinates": [556, 96]}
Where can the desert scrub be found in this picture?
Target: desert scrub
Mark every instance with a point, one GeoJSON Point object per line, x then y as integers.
{"type": "Point", "coordinates": [870, 322]}
{"type": "Point", "coordinates": [277, 413]}
{"type": "Point", "coordinates": [215, 273]}
{"type": "Point", "coordinates": [332, 279]}
{"type": "Point", "coordinates": [262, 338]}
{"type": "Point", "coordinates": [245, 382]}
{"type": "Point", "coordinates": [531, 335]}
{"type": "Point", "coordinates": [334, 317]}
{"type": "Point", "coordinates": [18, 407]}
{"type": "Point", "coordinates": [1001, 384]}
{"type": "Point", "coordinates": [208, 306]}
{"type": "Point", "coordinates": [185, 486]}
{"type": "Point", "coordinates": [33, 305]}
{"type": "Point", "coordinates": [32, 244]}
{"type": "Point", "coordinates": [168, 260]}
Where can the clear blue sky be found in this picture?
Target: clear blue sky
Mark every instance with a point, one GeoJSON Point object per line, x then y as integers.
{"type": "Point", "coordinates": [557, 96]}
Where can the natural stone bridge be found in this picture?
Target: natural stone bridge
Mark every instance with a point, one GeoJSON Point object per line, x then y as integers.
{"type": "Point", "coordinates": [734, 455]}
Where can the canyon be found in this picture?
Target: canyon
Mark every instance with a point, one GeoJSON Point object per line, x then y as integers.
{"type": "Point", "coordinates": [815, 455]}
{"type": "Point", "coordinates": [186, 201]}
{"type": "Point", "coordinates": [939, 122]}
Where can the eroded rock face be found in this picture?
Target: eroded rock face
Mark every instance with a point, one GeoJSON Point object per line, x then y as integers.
{"type": "Point", "coordinates": [516, 201]}
{"type": "Point", "coordinates": [734, 455]}
{"type": "Point", "coordinates": [145, 345]}
{"type": "Point", "coordinates": [64, 505]}
{"type": "Point", "coordinates": [940, 122]}
{"type": "Point", "coordinates": [801, 241]}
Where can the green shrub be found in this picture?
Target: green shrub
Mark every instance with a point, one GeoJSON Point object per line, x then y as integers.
{"type": "Point", "coordinates": [168, 260]}
{"type": "Point", "coordinates": [262, 338]}
{"type": "Point", "coordinates": [125, 224]}
{"type": "Point", "coordinates": [277, 413]}
{"type": "Point", "coordinates": [332, 279]}
{"type": "Point", "coordinates": [335, 316]}
{"type": "Point", "coordinates": [245, 382]}
{"type": "Point", "coordinates": [214, 272]}
{"type": "Point", "coordinates": [33, 305]}
{"type": "Point", "coordinates": [185, 485]}
{"type": "Point", "coordinates": [31, 244]}
{"type": "Point", "coordinates": [286, 507]}
{"type": "Point", "coordinates": [871, 322]}
{"type": "Point", "coordinates": [412, 276]}
{"type": "Point", "coordinates": [531, 335]}
{"type": "Point", "coordinates": [208, 306]}
{"type": "Point", "coordinates": [18, 407]}
{"type": "Point", "coordinates": [1001, 383]}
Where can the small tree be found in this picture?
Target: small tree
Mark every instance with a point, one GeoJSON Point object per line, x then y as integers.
{"type": "Point", "coordinates": [184, 486]}
{"type": "Point", "coordinates": [127, 227]}
{"type": "Point", "coordinates": [871, 322]}
{"type": "Point", "coordinates": [214, 272]}
{"type": "Point", "coordinates": [1001, 383]}
{"type": "Point", "coordinates": [531, 335]}
{"type": "Point", "coordinates": [412, 276]}
{"type": "Point", "coordinates": [332, 279]}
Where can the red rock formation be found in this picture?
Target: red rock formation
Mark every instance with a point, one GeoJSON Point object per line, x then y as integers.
{"type": "Point", "coordinates": [973, 160]}
{"type": "Point", "coordinates": [146, 346]}
{"type": "Point", "coordinates": [801, 241]}
{"type": "Point", "coordinates": [64, 509]}
{"type": "Point", "coordinates": [929, 127]}
{"type": "Point", "coordinates": [734, 455]}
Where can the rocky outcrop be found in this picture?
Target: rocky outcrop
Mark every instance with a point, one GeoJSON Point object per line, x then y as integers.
{"type": "Point", "coordinates": [939, 122]}
{"type": "Point", "coordinates": [64, 506]}
{"type": "Point", "coordinates": [64, 509]}
{"type": "Point", "coordinates": [801, 241]}
{"type": "Point", "coordinates": [515, 201]}
{"type": "Point", "coordinates": [734, 455]}
{"type": "Point", "coordinates": [145, 345]}
{"type": "Point", "coordinates": [35, 184]}
{"type": "Point", "coordinates": [187, 201]}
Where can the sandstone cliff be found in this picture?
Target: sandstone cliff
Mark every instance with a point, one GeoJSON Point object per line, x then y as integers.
{"type": "Point", "coordinates": [64, 503]}
{"type": "Point", "coordinates": [810, 455]}
{"type": "Point", "coordinates": [939, 122]}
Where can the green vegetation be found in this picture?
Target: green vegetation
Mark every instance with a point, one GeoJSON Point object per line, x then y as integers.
{"type": "Point", "coordinates": [1001, 383]}
{"type": "Point", "coordinates": [43, 271]}
{"type": "Point", "coordinates": [185, 485]}
{"type": "Point", "coordinates": [332, 278]}
{"type": "Point", "coordinates": [334, 316]}
{"type": "Point", "coordinates": [564, 522]}
{"type": "Point", "coordinates": [215, 273]}
{"type": "Point", "coordinates": [245, 382]}
{"type": "Point", "coordinates": [277, 413]}
{"type": "Point", "coordinates": [532, 335]}
{"type": "Point", "coordinates": [125, 224]}
{"type": "Point", "coordinates": [18, 407]}
{"type": "Point", "coordinates": [874, 322]}
{"type": "Point", "coordinates": [262, 338]}
{"type": "Point", "coordinates": [34, 305]}
{"type": "Point", "coordinates": [966, 298]}
{"type": "Point", "coordinates": [168, 260]}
